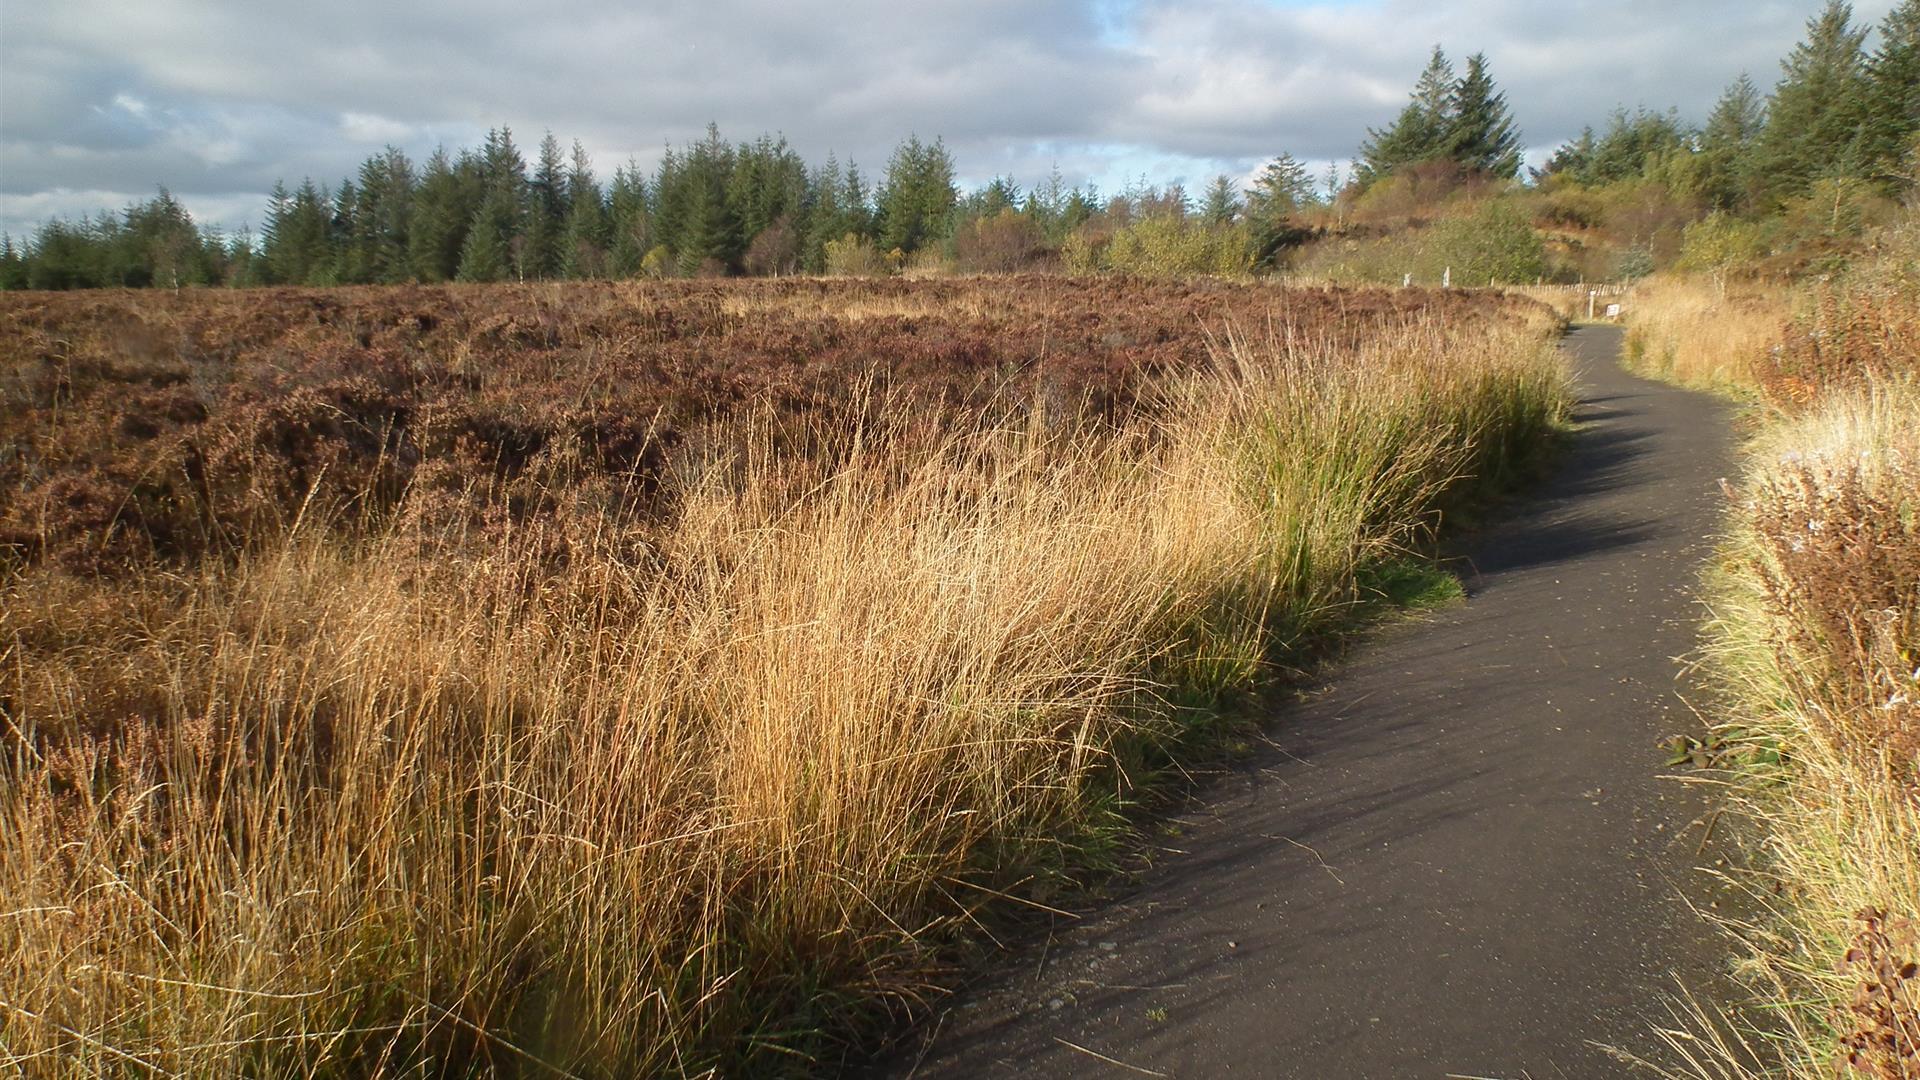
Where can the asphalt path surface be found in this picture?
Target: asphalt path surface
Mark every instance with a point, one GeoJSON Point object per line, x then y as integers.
{"type": "Point", "coordinates": [1461, 856]}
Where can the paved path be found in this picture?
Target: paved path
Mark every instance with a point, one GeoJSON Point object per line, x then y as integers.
{"type": "Point", "coordinates": [1457, 860]}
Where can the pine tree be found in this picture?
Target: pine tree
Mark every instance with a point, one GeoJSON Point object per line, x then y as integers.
{"type": "Point", "coordinates": [917, 199]}
{"type": "Point", "coordinates": [157, 244]}
{"type": "Point", "coordinates": [1814, 119]}
{"type": "Point", "coordinates": [1222, 203]}
{"type": "Point", "coordinates": [1279, 193]}
{"type": "Point", "coordinates": [443, 207]}
{"type": "Point", "coordinates": [546, 214]}
{"type": "Point", "coordinates": [279, 214]}
{"type": "Point", "coordinates": [1480, 132]}
{"type": "Point", "coordinates": [296, 237]}
{"type": "Point", "coordinates": [855, 203]}
{"type": "Point", "coordinates": [13, 265]}
{"type": "Point", "coordinates": [710, 239]}
{"type": "Point", "coordinates": [1892, 114]}
{"type": "Point", "coordinates": [495, 239]}
{"type": "Point", "coordinates": [583, 252]}
{"type": "Point", "coordinates": [381, 219]}
{"type": "Point", "coordinates": [242, 260]}
{"type": "Point", "coordinates": [1282, 189]}
{"type": "Point", "coordinates": [1632, 143]}
{"type": "Point", "coordinates": [768, 186]}
{"type": "Point", "coordinates": [487, 254]}
{"type": "Point", "coordinates": [1726, 144]}
{"type": "Point", "coordinates": [629, 220]}
{"type": "Point", "coordinates": [829, 220]}
{"type": "Point", "coordinates": [1420, 133]}
{"type": "Point", "coordinates": [1571, 159]}
{"type": "Point", "coordinates": [341, 267]}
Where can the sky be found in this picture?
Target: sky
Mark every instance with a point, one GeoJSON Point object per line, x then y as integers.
{"type": "Point", "coordinates": [103, 100]}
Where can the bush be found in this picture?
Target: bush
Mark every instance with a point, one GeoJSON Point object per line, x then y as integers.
{"type": "Point", "coordinates": [1084, 251]}
{"type": "Point", "coordinates": [776, 250]}
{"type": "Point", "coordinates": [1718, 243]}
{"type": "Point", "coordinates": [999, 244]}
{"type": "Point", "coordinates": [1494, 244]}
{"type": "Point", "coordinates": [853, 256]}
{"type": "Point", "coordinates": [658, 263]}
{"type": "Point", "coordinates": [1168, 245]}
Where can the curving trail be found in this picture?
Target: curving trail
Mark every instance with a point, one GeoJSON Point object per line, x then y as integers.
{"type": "Point", "coordinates": [1459, 859]}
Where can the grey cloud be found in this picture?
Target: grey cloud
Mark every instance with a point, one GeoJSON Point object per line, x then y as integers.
{"type": "Point", "coordinates": [239, 95]}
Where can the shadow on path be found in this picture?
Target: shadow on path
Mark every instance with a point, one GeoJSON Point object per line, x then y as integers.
{"type": "Point", "coordinates": [1458, 857]}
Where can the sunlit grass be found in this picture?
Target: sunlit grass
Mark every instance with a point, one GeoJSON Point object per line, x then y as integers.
{"type": "Point", "coordinates": [699, 795]}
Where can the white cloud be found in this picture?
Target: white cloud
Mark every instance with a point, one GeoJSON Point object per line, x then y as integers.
{"type": "Point", "coordinates": [220, 100]}
{"type": "Point", "coordinates": [131, 105]}
{"type": "Point", "coordinates": [372, 128]}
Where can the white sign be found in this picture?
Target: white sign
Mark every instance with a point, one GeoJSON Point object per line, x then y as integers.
{"type": "Point", "coordinates": [1613, 311]}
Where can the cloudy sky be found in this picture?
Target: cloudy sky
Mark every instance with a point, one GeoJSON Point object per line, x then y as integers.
{"type": "Point", "coordinates": [101, 100]}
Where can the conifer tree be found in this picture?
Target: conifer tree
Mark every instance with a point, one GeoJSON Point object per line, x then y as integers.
{"type": "Point", "coordinates": [1814, 118]}
{"type": "Point", "coordinates": [1222, 203]}
{"type": "Point", "coordinates": [768, 186]}
{"type": "Point", "coordinates": [709, 238]}
{"type": "Point", "coordinates": [13, 265]}
{"type": "Point", "coordinates": [546, 213]}
{"type": "Point", "coordinates": [487, 254]}
{"type": "Point", "coordinates": [1282, 189]}
{"type": "Point", "coordinates": [1570, 159]}
{"type": "Point", "coordinates": [855, 202]}
{"type": "Point", "coordinates": [829, 219]}
{"type": "Point", "coordinates": [1279, 193]}
{"type": "Point", "coordinates": [339, 267]}
{"type": "Point", "coordinates": [916, 200]}
{"type": "Point", "coordinates": [160, 245]}
{"type": "Point", "coordinates": [1480, 132]}
{"type": "Point", "coordinates": [296, 235]}
{"type": "Point", "coordinates": [443, 207]}
{"type": "Point", "coordinates": [1632, 142]}
{"type": "Point", "coordinates": [381, 219]}
{"type": "Point", "coordinates": [1421, 131]}
{"type": "Point", "coordinates": [629, 220]}
{"type": "Point", "coordinates": [279, 211]}
{"type": "Point", "coordinates": [583, 251]}
{"type": "Point", "coordinates": [495, 238]}
{"type": "Point", "coordinates": [242, 261]}
{"type": "Point", "coordinates": [1892, 115]}
{"type": "Point", "coordinates": [1726, 144]}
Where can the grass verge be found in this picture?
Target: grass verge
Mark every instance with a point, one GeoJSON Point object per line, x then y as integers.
{"type": "Point", "coordinates": [1814, 643]}
{"type": "Point", "coordinates": [691, 797]}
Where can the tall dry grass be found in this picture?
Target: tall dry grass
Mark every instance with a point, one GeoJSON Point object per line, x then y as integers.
{"type": "Point", "coordinates": [1815, 639]}
{"type": "Point", "coordinates": [1702, 333]}
{"type": "Point", "coordinates": [691, 798]}
{"type": "Point", "coordinates": [1816, 642]}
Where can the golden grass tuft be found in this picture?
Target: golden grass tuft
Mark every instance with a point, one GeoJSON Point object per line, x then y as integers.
{"type": "Point", "coordinates": [1702, 334]}
{"type": "Point", "coordinates": [698, 796]}
{"type": "Point", "coordinates": [1815, 643]}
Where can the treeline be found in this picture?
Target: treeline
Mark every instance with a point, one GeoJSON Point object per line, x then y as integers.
{"type": "Point", "coordinates": [1840, 114]}
{"type": "Point", "coordinates": [711, 208]}
{"type": "Point", "coordinates": [756, 207]}
{"type": "Point", "coordinates": [1791, 175]}
{"type": "Point", "coordinates": [1787, 180]}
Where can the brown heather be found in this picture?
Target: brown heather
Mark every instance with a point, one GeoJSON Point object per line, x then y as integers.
{"type": "Point", "coordinates": [614, 681]}
{"type": "Point", "coordinates": [1815, 637]}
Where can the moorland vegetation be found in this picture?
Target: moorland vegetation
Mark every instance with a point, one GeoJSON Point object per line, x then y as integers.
{"type": "Point", "coordinates": [612, 679]}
